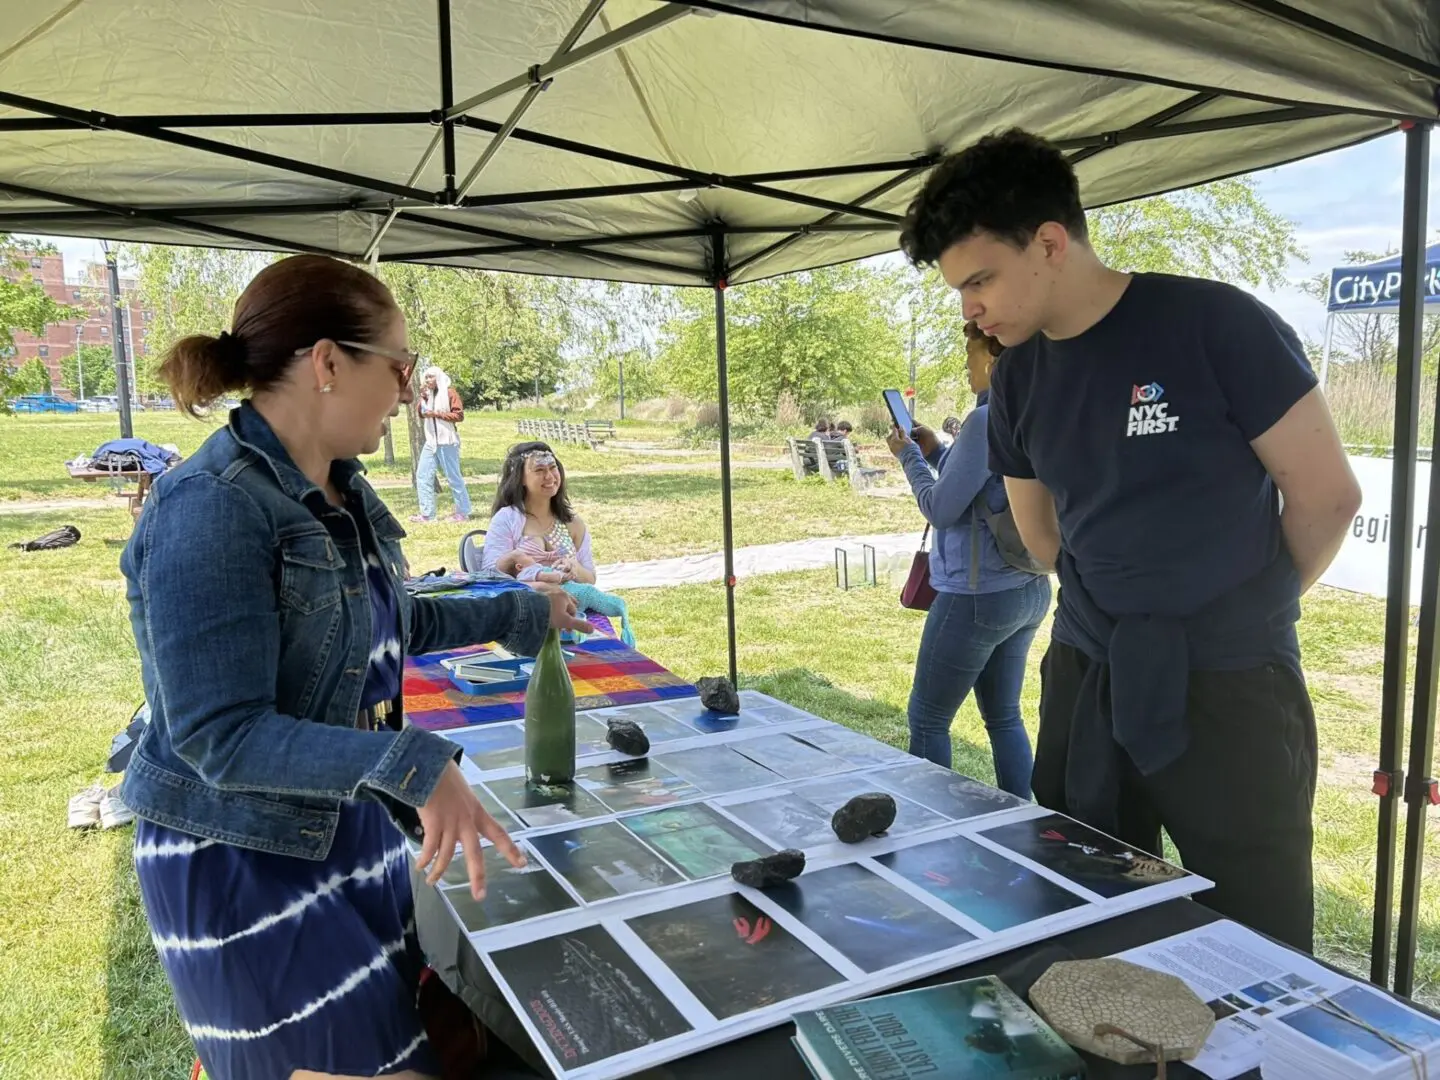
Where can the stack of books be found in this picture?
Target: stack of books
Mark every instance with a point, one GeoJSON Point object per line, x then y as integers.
{"type": "Point", "coordinates": [956, 1031]}
{"type": "Point", "coordinates": [1353, 1034]}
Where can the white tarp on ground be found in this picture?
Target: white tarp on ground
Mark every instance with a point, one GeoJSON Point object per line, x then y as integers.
{"type": "Point", "coordinates": [1364, 560]}
{"type": "Point", "coordinates": [800, 128]}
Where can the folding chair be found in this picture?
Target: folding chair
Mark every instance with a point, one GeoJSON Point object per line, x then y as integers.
{"type": "Point", "coordinates": [471, 550]}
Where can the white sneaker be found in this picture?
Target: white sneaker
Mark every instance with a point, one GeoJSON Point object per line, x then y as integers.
{"type": "Point", "coordinates": [113, 811]}
{"type": "Point", "coordinates": [85, 807]}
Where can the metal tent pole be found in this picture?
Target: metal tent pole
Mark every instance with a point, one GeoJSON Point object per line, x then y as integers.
{"type": "Point", "coordinates": [1420, 790]}
{"type": "Point", "coordinates": [1389, 776]}
{"type": "Point", "coordinates": [117, 337]}
{"type": "Point", "coordinates": [719, 271]}
{"type": "Point", "coordinates": [1325, 349]}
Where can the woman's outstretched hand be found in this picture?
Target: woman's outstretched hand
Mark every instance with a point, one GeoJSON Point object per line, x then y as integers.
{"type": "Point", "coordinates": [564, 612]}
{"type": "Point", "coordinates": [453, 815]}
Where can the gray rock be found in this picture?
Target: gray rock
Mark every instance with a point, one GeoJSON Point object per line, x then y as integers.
{"type": "Point", "coordinates": [772, 870]}
{"type": "Point", "coordinates": [719, 696]}
{"type": "Point", "coordinates": [864, 815]}
{"type": "Point", "coordinates": [628, 737]}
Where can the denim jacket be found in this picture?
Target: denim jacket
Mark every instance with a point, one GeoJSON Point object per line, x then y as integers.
{"type": "Point", "coordinates": [251, 612]}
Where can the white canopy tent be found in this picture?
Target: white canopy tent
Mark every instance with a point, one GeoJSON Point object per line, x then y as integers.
{"type": "Point", "coordinates": [706, 143]}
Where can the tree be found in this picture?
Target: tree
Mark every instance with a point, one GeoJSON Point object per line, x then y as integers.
{"type": "Point", "coordinates": [496, 335]}
{"type": "Point", "coordinates": [1222, 230]}
{"type": "Point", "coordinates": [823, 337]}
{"type": "Point", "coordinates": [186, 291]}
{"type": "Point", "coordinates": [91, 370]}
{"type": "Point", "coordinates": [33, 377]}
{"type": "Point", "coordinates": [24, 305]}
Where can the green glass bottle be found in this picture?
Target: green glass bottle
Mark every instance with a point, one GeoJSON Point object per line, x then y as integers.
{"type": "Point", "coordinates": [550, 717]}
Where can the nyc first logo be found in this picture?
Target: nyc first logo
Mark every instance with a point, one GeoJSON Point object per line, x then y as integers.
{"type": "Point", "coordinates": [1149, 415]}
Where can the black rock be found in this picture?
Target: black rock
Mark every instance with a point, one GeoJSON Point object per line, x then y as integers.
{"type": "Point", "coordinates": [719, 696]}
{"type": "Point", "coordinates": [628, 737]}
{"type": "Point", "coordinates": [864, 815]}
{"type": "Point", "coordinates": [772, 870]}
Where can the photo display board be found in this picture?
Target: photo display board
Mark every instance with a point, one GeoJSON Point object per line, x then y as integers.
{"type": "Point", "coordinates": [624, 943]}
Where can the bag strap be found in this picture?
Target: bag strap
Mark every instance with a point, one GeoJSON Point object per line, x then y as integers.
{"type": "Point", "coordinates": [925, 536]}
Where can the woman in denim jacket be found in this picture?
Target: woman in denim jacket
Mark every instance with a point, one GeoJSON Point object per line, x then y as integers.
{"type": "Point", "coordinates": [264, 587]}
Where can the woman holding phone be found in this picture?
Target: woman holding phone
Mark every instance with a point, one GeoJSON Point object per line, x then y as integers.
{"type": "Point", "coordinates": [986, 611]}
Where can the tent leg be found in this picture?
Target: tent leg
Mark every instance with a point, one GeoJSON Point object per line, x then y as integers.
{"type": "Point", "coordinates": [726, 513]}
{"type": "Point", "coordinates": [1418, 785]}
{"type": "Point", "coordinates": [1389, 775]}
{"type": "Point", "coordinates": [1325, 350]}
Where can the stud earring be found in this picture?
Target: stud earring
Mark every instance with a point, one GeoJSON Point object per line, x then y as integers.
{"type": "Point", "coordinates": [327, 388]}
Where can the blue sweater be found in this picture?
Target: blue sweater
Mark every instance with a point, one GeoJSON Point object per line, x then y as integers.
{"type": "Point", "coordinates": [964, 471]}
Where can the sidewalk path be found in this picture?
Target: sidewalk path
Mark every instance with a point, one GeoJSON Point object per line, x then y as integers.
{"type": "Point", "coordinates": [814, 554]}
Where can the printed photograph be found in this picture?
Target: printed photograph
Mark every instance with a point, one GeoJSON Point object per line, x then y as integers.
{"type": "Point", "coordinates": [691, 713]}
{"type": "Point", "coordinates": [831, 795]}
{"type": "Point", "coordinates": [732, 956]}
{"type": "Point", "coordinates": [980, 883]}
{"type": "Point", "coordinates": [659, 726]}
{"type": "Point", "coordinates": [496, 746]}
{"type": "Point", "coordinates": [873, 923]}
{"type": "Point", "coordinates": [1295, 982]}
{"type": "Point", "coordinates": [1361, 1044]}
{"type": "Point", "coordinates": [604, 861]}
{"type": "Point", "coordinates": [1082, 855]}
{"type": "Point", "coordinates": [853, 747]}
{"type": "Point", "coordinates": [1263, 992]}
{"type": "Point", "coordinates": [587, 1000]}
{"type": "Point", "coordinates": [698, 839]}
{"type": "Point", "coordinates": [790, 757]}
{"type": "Point", "coordinates": [950, 793]}
{"type": "Point", "coordinates": [787, 821]}
{"type": "Point", "coordinates": [1221, 1008]}
{"type": "Point", "coordinates": [506, 820]}
{"type": "Point", "coordinates": [717, 770]}
{"type": "Point", "coordinates": [635, 784]}
{"type": "Point", "coordinates": [539, 807]}
{"type": "Point", "coordinates": [511, 895]}
{"type": "Point", "coordinates": [1240, 1004]}
{"type": "Point", "coordinates": [590, 736]}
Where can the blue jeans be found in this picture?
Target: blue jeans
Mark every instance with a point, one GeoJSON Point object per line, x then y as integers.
{"type": "Point", "coordinates": [978, 642]}
{"type": "Point", "coordinates": [449, 459]}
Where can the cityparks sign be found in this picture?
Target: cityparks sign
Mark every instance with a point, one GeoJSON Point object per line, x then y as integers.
{"type": "Point", "coordinates": [1366, 288]}
{"type": "Point", "coordinates": [1363, 564]}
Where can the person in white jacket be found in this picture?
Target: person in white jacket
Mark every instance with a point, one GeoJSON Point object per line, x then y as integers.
{"type": "Point", "coordinates": [440, 410]}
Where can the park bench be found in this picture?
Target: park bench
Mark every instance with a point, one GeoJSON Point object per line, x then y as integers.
{"type": "Point", "coordinates": [600, 430]}
{"type": "Point", "coordinates": [556, 431]}
{"type": "Point", "coordinates": [830, 458]}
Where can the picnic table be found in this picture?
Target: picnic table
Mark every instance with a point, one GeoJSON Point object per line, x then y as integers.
{"type": "Point", "coordinates": [120, 478]}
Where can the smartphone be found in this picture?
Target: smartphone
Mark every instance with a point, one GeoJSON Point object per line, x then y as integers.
{"type": "Point", "coordinates": [895, 402]}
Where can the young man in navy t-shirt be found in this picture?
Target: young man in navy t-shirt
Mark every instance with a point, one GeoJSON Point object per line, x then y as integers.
{"type": "Point", "coordinates": [1148, 428]}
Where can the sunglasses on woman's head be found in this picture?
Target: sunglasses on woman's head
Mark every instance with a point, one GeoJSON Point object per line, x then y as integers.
{"type": "Point", "coordinates": [406, 358]}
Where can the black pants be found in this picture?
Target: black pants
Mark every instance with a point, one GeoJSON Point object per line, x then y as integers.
{"type": "Point", "coordinates": [1237, 803]}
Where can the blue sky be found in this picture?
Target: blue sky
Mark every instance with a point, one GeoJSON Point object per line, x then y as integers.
{"type": "Point", "coordinates": [1347, 200]}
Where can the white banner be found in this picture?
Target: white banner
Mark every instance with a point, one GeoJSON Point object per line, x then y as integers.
{"type": "Point", "coordinates": [1363, 564]}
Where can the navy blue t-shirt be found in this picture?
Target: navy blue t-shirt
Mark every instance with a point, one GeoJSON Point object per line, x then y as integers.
{"type": "Point", "coordinates": [1141, 428]}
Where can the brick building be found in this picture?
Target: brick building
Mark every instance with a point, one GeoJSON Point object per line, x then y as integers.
{"type": "Point", "coordinates": [88, 291]}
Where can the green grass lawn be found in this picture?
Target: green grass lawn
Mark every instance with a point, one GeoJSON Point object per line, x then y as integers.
{"type": "Point", "coordinates": [81, 994]}
{"type": "Point", "coordinates": [36, 448]}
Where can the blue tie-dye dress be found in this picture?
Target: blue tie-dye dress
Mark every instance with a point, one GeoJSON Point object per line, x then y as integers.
{"type": "Point", "coordinates": [281, 963]}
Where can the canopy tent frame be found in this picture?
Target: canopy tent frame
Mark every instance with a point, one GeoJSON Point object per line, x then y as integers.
{"type": "Point", "coordinates": [390, 203]}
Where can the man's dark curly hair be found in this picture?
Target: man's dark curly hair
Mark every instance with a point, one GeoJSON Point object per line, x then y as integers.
{"type": "Point", "coordinates": [1007, 185]}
